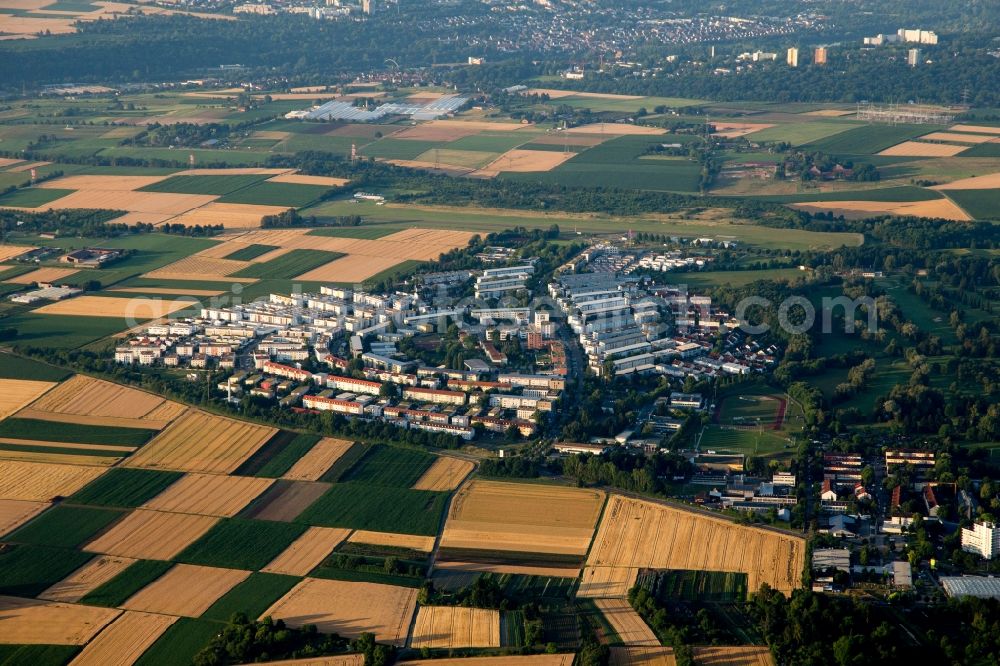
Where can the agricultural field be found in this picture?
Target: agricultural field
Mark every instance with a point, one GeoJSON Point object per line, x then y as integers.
{"type": "Point", "coordinates": [252, 596]}
{"type": "Point", "coordinates": [318, 460]}
{"type": "Point", "coordinates": [41, 482]}
{"type": "Point", "coordinates": [64, 526]}
{"type": "Point", "coordinates": [242, 544]}
{"type": "Point", "coordinates": [209, 495]}
{"type": "Point", "coordinates": [447, 627]}
{"type": "Point", "coordinates": [526, 525]}
{"type": "Point", "coordinates": [125, 639]}
{"type": "Point", "coordinates": [87, 578]}
{"type": "Point", "coordinates": [390, 466]}
{"type": "Point", "coordinates": [286, 500]}
{"type": "Point", "coordinates": [377, 508]}
{"type": "Point", "coordinates": [182, 446]}
{"type": "Point", "coordinates": [114, 592]}
{"type": "Point", "coordinates": [405, 541]}
{"type": "Point", "coordinates": [349, 609]}
{"type": "Point", "coordinates": [694, 586]}
{"type": "Point", "coordinates": [14, 513]}
{"type": "Point", "coordinates": [630, 628]}
{"type": "Point", "coordinates": [151, 535]}
{"type": "Point", "coordinates": [444, 474]}
{"type": "Point", "coordinates": [16, 393]}
{"type": "Point", "coordinates": [185, 590]}
{"type": "Point", "coordinates": [125, 488]}
{"type": "Point", "coordinates": [30, 621]}
{"type": "Point", "coordinates": [308, 551]}
{"type": "Point", "coordinates": [635, 534]}
{"type": "Point", "coordinates": [27, 571]}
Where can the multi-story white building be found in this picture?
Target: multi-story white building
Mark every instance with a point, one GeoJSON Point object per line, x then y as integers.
{"type": "Point", "coordinates": [982, 539]}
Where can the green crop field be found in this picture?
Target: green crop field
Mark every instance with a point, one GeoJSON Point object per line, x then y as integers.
{"type": "Point", "coordinates": [481, 220]}
{"type": "Point", "coordinates": [390, 466]}
{"type": "Point", "coordinates": [378, 508]}
{"type": "Point", "coordinates": [125, 487]}
{"type": "Point", "coordinates": [37, 655]}
{"type": "Point", "coordinates": [237, 543]}
{"type": "Point", "coordinates": [289, 265]}
{"type": "Point", "coordinates": [866, 139]}
{"type": "Point", "coordinates": [490, 142]}
{"type": "Point", "coordinates": [117, 590]}
{"type": "Point", "coordinates": [17, 367]}
{"type": "Point", "coordinates": [346, 462]}
{"type": "Point", "coordinates": [352, 576]}
{"type": "Point", "coordinates": [982, 150]}
{"type": "Point", "coordinates": [203, 158]}
{"type": "Point", "coordinates": [696, 586]}
{"type": "Point", "coordinates": [657, 176]}
{"type": "Point", "coordinates": [64, 526]}
{"type": "Point", "coordinates": [250, 252]}
{"type": "Point", "coordinates": [180, 642]}
{"type": "Point", "coordinates": [365, 232]}
{"type": "Point", "coordinates": [204, 184]}
{"type": "Point", "coordinates": [530, 587]}
{"type": "Point", "coordinates": [32, 197]}
{"type": "Point", "coordinates": [798, 134]}
{"type": "Point", "coordinates": [980, 204]}
{"type": "Point", "coordinates": [291, 195]}
{"type": "Point", "coordinates": [398, 149]}
{"type": "Point", "coordinates": [253, 596]}
{"type": "Point", "coordinates": [27, 571]}
{"type": "Point", "coordinates": [55, 431]}
{"type": "Point", "coordinates": [44, 447]}
{"type": "Point", "coordinates": [278, 455]}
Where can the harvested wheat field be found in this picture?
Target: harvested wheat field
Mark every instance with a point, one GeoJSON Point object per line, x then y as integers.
{"type": "Point", "coordinates": [124, 641]}
{"type": "Point", "coordinates": [33, 622]}
{"type": "Point", "coordinates": [202, 442]}
{"type": "Point", "coordinates": [635, 533]}
{"type": "Point", "coordinates": [85, 396]}
{"type": "Point", "coordinates": [89, 577]}
{"type": "Point", "coordinates": [642, 656]}
{"type": "Point", "coordinates": [229, 215]}
{"type": "Point", "coordinates": [151, 535]}
{"type": "Point", "coordinates": [736, 130]}
{"type": "Point", "coordinates": [41, 482]}
{"type": "Point", "coordinates": [28, 26]}
{"type": "Point", "coordinates": [615, 129]}
{"type": "Point", "coordinates": [204, 268]}
{"type": "Point", "coordinates": [445, 474]}
{"type": "Point", "coordinates": [741, 655]}
{"type": "Point", "coordinates": [8, 161]}
{"type": "Point", "coordinates": [109, 306]}
{"type": "Point", "coordinates": [302, 179]}
{"type": "Point", "coordinates": [308, 551]}
{"type": "Point", "coordinates": [186, 590]}
{"type": "Point", "coordinates": [449, 130]}
{"type": "Point", "coordinates": [981, 129]}
{"type": "Point", "coordinates": [11, 251]}
{"type": "Point", "coordinates": [525, 161]}
{"type": "Point", "coordinates": [855, 210]}
{"type": "Point", "coordinates": [168, 291]}
{"type": "Point", "coordinates": [598, 582]}
{"type": "Point", "coordinates": [423, 544]}
{"type": "Point", "coordinates": [318, 460]}
{"type": "Point", "coordinates": [284, 502]}
{"type": "Point", "coordinates": [209, 494]}
{"type": "Point", "coordinates": [352, 268]}
{"type": "Point", "coordinates": [21, 168]}
{"type": "Point", "coordinates": [43, 275]}
{"type": "Point", "coordinates": [14, 513]}
{"type": "Point", "coordinates": [508, 660]}
{"type": "Point", "coordinates": [987, 182]}
{"type": "Point", "coordinates": [630, 627]}
{"type": "Point", "coordinates": [49, 457]}
{"type": "Point", "coordinates": [16, 393]}
{"type": "Point", "coordinates": [132, 201]}
{"type": "Point", "coordinates": [522, 518]}
{"type": "Point", "coordinates": [101, 183]}
{"type": "Point", "coordinates": [829, 113]}
{"type": "Point", "coordinates": [348, 609]}
{"type": "Point", "coordinates": [446, 627]}
{"type": "Point", "coordinates": [955, 137]}
{"type": "Point", "coordinates": [917, 149]}
{"type": "Point", "coordinates": [559, 139]}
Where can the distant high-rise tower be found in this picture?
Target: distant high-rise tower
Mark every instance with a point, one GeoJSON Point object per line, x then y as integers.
{"type": "Point", "coordinates": [820, 55]}
{"type": "Point", "coordinates": [366, 6]}
{"type": "Point", "coordinates": [711, 53]}
{"type": "Point", "coordinates": [913, 57]}
{"type": "Point", "coordinates": [793, 57]}
{"type": "Point", "coordinates": [354, 152]}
